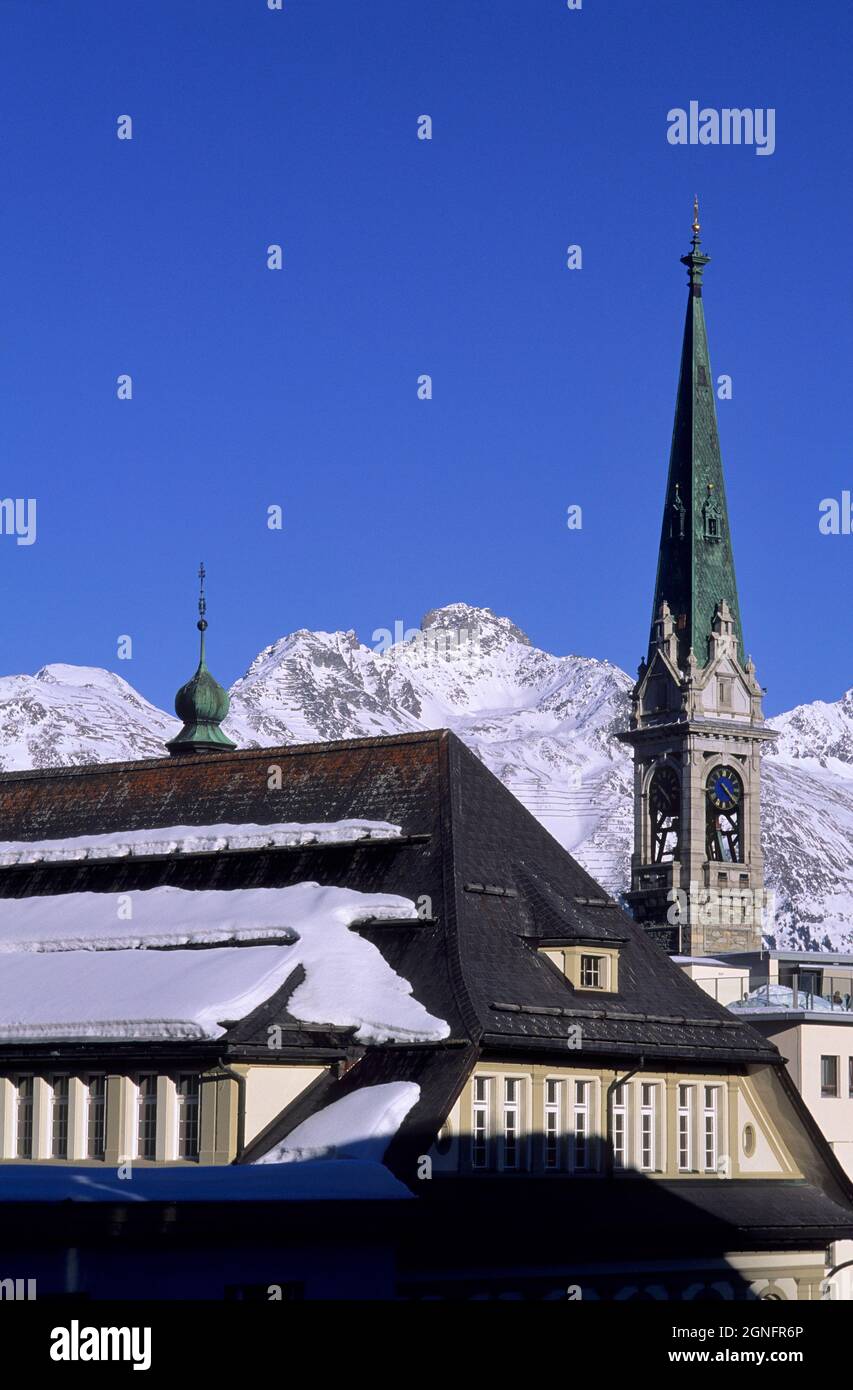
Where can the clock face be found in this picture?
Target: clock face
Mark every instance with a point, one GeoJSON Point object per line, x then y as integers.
{"type": "Point", "coordinates": [666, 792]}
{"type": "Point", "coordinates": [665, 810]}
{"type": "Point", "coordinates": [724, 788]}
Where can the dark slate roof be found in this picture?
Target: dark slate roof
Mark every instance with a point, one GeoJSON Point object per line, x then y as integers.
{"type": "Point", "coordinates": [497, 883]}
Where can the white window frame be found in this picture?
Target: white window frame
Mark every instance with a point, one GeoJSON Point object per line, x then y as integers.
{"type": "Point", "coordinates": [16, 1089]}
{"type": "Point", "coordinates": [836, 1091]}
{"type": "Point", "coordinates": [710, 1127]}
{"type": "Point", "coordinates": [685, 1114]}
{"type": "Point", "coordinates": [180, 1103]}
{"type": "Point", "coordinates": [513, 1122]}
{"type": "Point", "coordinates": [621, 1109]}
{"type": "Point", "coordinates": [143, 1104]}
{"type": "Point", "coordinates": [553, 1126]}
{"type": "Point", "coordinates": [582, 1110]}
{"type": "Point", "coordinates": [88, 1078]}
{"type": "Point", "coordinates": [649, 1111]}
{"type": "Point", "coordinates": [481, 1121]}
{"type": "Point", "coordinates": [599, 964]}
{"type": "Point", "coordinates": [51, 1114]}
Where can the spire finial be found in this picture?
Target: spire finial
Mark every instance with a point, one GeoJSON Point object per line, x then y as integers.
{"type": "Point", "coordinates": [695, 260]}
{"type": "Point", "coordinates": [202, 609]}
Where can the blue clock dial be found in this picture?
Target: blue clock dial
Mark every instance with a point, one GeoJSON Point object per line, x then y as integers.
{"type": "Point", "coordinates": [724, 788]}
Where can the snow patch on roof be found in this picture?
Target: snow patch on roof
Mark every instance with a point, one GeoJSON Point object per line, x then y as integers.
{"type": "Point", "coordinates": [170, 916]}
{"type": "Point", "coordinates": [190, 839]}
{"type": "Point", "coordinates": [359, 1126]}
{"type": "Point", "coordinates": [78, 965]}
{"type": "Point", "coordinates": [174, 995]}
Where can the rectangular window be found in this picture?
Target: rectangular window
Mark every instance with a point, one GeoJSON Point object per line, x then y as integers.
{"type": "Point", "coordinates": [187, 1088]}
{"type": "Point", "coordinates": [591, 972]}
{"type": "Point", "coordinates": [828, 1077]}
{"type": "Point", "coordinates": [850, 1077]}
{"type": "Point", "coordinates": [648, 1126]}
{"type": "Point", "coordinates": [810, 982]}
{"type": "Point", "coordinates": [146, 1115]}
{"type": "Point", "coordinates": [553, 1122]}
{"type": "Point", "coordinates": [512, 1123]}
{"type": "Point", "coordinates": [619, 1109]}
{"type": "Point", "coordinates": [580, 1127]}
{"type": "Point", "coordinates": [96, 1116]}
{"type": "Point", "coordinates": [711, 1136]}
{"type": "Point", "coordinates": [60, 1091]}
{"type": "Point", "coordinates": [685, 1128]}
{"type": "Point", "coordinates": [24, 1086]}
{"type": "Point", "coordinates": [724, 692]}
{"type": "Point", "coordinates": [480, 1122]}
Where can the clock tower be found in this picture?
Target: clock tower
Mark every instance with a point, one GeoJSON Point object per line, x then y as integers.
{"type": "Point", "coordinates": [697, 727]}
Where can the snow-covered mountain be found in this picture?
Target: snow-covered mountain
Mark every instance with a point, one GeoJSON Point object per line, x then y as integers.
{"type": "Point", "coordinates": [544, 724]}
{"type": "Point", "coordinates": [77, 714]}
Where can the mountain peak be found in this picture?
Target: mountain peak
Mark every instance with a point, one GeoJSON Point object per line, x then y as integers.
{"type": "Point", "coordinates": [60, 673]}
{"type": "Point", "coordinates": [481, 624]}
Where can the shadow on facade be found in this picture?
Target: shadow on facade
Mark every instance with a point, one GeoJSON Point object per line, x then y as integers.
{"type": "Point", "coordinates": [489, 1235]}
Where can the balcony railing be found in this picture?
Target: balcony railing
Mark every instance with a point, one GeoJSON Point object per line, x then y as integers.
{"type": "Point", "coordinates": [834, 996]}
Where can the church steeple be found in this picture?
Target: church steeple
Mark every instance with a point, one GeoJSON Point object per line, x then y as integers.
{"type": "Point", "coordinates": [697, 727]}
{"type": "Point", "coordinates": [695, 564]}
{"type": "Point", "coordinates": [202, 704]}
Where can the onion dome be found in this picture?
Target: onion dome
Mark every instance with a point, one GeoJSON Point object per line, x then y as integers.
{"type": "Point", "coordinates": [201, 704]}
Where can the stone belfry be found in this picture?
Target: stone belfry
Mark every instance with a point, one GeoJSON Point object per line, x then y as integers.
{"type": "Point", "coordinates": [697, 870]}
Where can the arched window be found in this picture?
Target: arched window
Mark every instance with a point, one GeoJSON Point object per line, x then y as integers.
{"type": "Point", "coordinates": [665, 813]}
{"type": "Point", "coordinates": [723, 815]}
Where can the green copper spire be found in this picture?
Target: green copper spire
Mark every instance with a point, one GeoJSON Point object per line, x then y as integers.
{"type": "Point", "coordinates": [695, 564]}
{"type": "Point", "coordinates": [202, 704]}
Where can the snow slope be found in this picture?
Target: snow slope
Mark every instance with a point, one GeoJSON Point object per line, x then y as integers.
{"type": "Point", "coordinates": [360, 1125]}
{"type": "Point", "coordinates": [77, 714]}
{"type": "Point", "coordinates": [95, 965]}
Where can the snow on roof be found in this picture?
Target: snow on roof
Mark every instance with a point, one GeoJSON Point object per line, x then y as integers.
{"type": "Point", "coordinates": [707, 960]}
{"type": "Point", "coordinates": [324, 1180]}
{"type": "Point", "coordinates": [77, 965]}
{"type": "Point", "coordinates": [135, 994]}
{"type": "Point", "coordinates": [360, 1125]}
{"type": "Point", "coordinates": [191, 839]}
{"type": "Point", "coordinates": [182, 916]}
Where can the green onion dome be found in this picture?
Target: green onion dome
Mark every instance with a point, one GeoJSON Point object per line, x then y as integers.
{"type": "Point", "coordinates": [201, 705]}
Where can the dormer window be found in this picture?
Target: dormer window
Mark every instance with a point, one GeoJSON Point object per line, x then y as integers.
{"type": "Point", "coordinates": [591, 967]}
{"type": "Point", "coordinates": [592, 972]}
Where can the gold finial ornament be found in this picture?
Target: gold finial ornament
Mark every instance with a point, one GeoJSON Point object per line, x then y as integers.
{"type": "Point", "coordinates": [696, 224]}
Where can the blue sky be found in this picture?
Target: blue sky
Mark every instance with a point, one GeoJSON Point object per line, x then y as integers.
{"type": "Point", "coordinates": [298, 388]}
